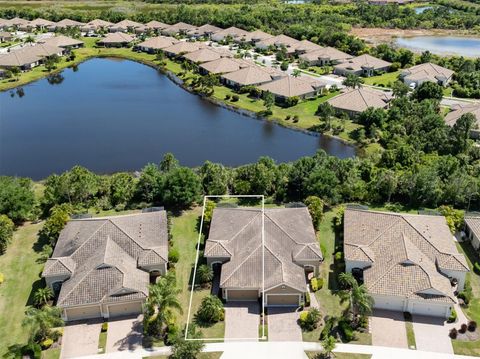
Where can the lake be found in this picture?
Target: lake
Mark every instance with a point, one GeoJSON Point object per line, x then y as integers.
{"type": "Point", "coordinates": [118, 115]}
{"type": "Point", "coordinates": [442, 45]}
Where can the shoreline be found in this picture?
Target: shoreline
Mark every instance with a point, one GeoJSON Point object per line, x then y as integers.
{"type": "Point", "coordinates": [179, 82]}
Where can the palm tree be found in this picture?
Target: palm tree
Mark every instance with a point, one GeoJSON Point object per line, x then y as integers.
{"type": "Point", "coordinates": [296, 73]}
{"type": "Point", "coordinates": [41, 321]}
{"type": "Point", "coordinates": [352, 81]}
{"type": "Point", "coordinates": [360, 301]}
{"type": "Point", "coordinates": [205, 273]}
{"type": "Point", "coordinates": [346, 280]}
{"type": "Point", "coordinates": [328, 345]}
{"type": "Point", "coordinates": [162, 299]}
{"type": "Point", "coordinates": [42, 296]}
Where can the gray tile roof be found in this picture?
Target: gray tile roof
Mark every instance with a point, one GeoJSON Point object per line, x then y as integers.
{"type": "Point", "coordinates": [458, 110]}
{"type": "Point", "coordinates": [474, 224]}
{"type": "Point", "coordinates": [29, 55]}
{"type": "Point", "coordinates": [406, 253]}
{"type": "Point", "coordinates": [158, 42]}
{"type": "Point", "coordinates": [116, 38]}
{"type": "Point", "coordinates": [363, 62]}
{"type": "Point", "coordinates": [103, 257]}
{"type": "Point", "coordinates": [359, 99]}
{"type": "Point", "coordinates": [427, 72]}
{"type": "Point", "coordinates": [290, 86]}
{"type": "Point", "coordinates": [236, 233]}
{"type": "Point", "coordinates": [62, 41]}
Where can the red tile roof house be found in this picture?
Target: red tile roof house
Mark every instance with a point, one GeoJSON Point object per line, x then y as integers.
{"type": "Point", "coordinates": [408, 262]}
{"type": "Point", "coordinates": [101, 267]}
{"type": "Point", "coordinates": [288, 252]}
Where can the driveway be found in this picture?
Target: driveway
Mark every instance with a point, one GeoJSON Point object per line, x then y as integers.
{"type": "Point", "coordinates": [431, 334]}
{"type": "Point", "coordinates": [80, 339]}
{"type": "Point", "coordinates": [283, 326]}
{"type": "Point", "coordinates": [124, 334]}
{"type": "Point", "coordinates": [388, 329]}
{"type": "Point", "coordinates": [242, 320]}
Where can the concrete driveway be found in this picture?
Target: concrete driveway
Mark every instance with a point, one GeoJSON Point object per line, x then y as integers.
{"type": "Point", "coordinates": [283, 326]}
{"type": "Point", "coordinates": [388, 329]}
{"type": "Point", "coordinates": [431, 334]}
{"type": "Point", "coordinates": [125, 334]}
{"type": "Point", "coordinates": [242, 320]}
{"type": "Point", "coordinates": [80, 339]}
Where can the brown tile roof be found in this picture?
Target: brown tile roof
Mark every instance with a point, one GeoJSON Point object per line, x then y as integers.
{"type": "Point", "coordinates": [178, 27]}
{"type": "Point", "coordinates": [359, 99]}
{"type": "Point", "coordinates": [363, 62]}
{"type": "Point", "coordinates": [257, 35]}
{"type": "Point", "coordinates": [290, 86]}
{"type": "Point", "coordinates": [41, 22]}
{"type": "Point", "coordinates": [68, 23]}
{"type": "Point", "coordinates": [205, 55]}
{"type": "Point", "coordinates": [28, 55]}
{"type": "Point", "coordinates": [125, 24]}
{"type": "Point", "coordinates": [251, 75]}
{"type": "Point", "coordinates": [103, 257]}
{"type": "Point", "coordinates": [116, 38]}
{"type": "Point", "coordinates": [156, 25]}
{"type": "Point", "coordinates": [305, 45]}
{"type": "Point", "coordinates": [427, 72]}
{"type": "Point", "coordinates": [404, 252]}
{"type": "Point", "coordinates": [289, 236]}
{"type": "Point", "coordinates": [16, 21]}
{"type": "Point", "coordinates": [460, 109]}
{"type": "Point", "coordinates": [206, 29]}
{"type": "Point", "coordinates": [158, 42]}
{"type": "Point", "coordinates": [225, 65]}
{"type": "Point", "coordinates": [99, 23]}
{"type": "Point", "coordinates": [233, 32]}
{"type": "Point", "coordinates": [62, 41]}
{"type": "Point", "coordinates": [474, 224]}
{"type": "Point", "coordinates": [327, 54]}
{"type": "Point", "coordinates": [279, 40]}
{"type": "Point", "coordinates": [184, 47]}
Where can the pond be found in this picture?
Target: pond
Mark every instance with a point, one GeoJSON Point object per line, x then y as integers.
{"type": "Point", "coordinates": [118, 115]}
{"type": "Point", "coordinates": [442, 45]}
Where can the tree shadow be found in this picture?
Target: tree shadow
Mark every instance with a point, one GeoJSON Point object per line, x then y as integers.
{"type": "Point", "coordinates": [39, 283]}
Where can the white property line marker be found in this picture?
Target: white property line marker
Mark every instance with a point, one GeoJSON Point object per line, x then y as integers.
{"type": "Point", "coordinates": [263, 337]}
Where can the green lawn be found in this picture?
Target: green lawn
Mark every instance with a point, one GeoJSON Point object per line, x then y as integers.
{"type": "Point", "coordinates": [315, 355]}
{"type": "Point", "coordinates": [22, 275]}
{"type": "Point", "coordinates": [102, 342]}
{"type": "Point", "coordinates": [185, 236]}
{"type": "Point", "coordinates": [412, 344]}
{"type": "Point", "coordinates": [51, 353]}
{"type": "Point", "coordinates": [473, 310]}
{"type": "Point", "coordinates": [385, 79]}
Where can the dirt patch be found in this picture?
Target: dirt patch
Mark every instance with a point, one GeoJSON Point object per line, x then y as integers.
{"type": "Point", "coordinates": [375, 35]}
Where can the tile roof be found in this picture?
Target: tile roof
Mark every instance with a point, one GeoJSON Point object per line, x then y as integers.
{"type": "Point", "coordinates": [236, 233]}
{"type": "Point", "coordinates": [184, 47]}
{"type": "Point", "coordinates": [178, 27]}
{"type": "Point", "coordinates": [363, 62]}
{"type": "Point", "coordinates": [250, 75]}
{"type": "Point", "coordinates": [359, 99]}
{"type": "Point", "coordinates": [474, 224]}
{"type": "Point", "coordinates": [206, 54]}
{"type": "Point", "coordinates": [257, 35]}
{"type": "Point", "coordinates": [99, 23]}
{"type": "Point", "coordinates": [406, 253]}
{"type": "Point", "coordinates": [233, 32]}
{"type": "Point", "coordinates": [61, 41]}
{"type": "Point", "coordinates": [305, 46]}
{"type": "Point", "coordinates": [28, 55]}
{"type": "Point", "coordinates": [68, 23]}
{"type": "Point", "coordinates": [41, 22]}
{"type": "Point", "coordinates": [125, 24]}
{"type": "Point", "coordinates": [158, 42]}
{"type": "Point", "coordinates": [327, 54]}
{"type": "Point", "coordinates": [204, 30]}
{"type": "Point", "coordinates": [427, 72]}
{"type": "Point", "coordinates": [279, 40]}
{"type": "Point", "coordinates": [155, 25]}
{"type": "Point", "coordinates": [458, 110]}
{"type": "Point", "coordinates": [290, 86]}
{"type": "Point", "coordinates": [225, 65]}
{"type": "Point", "coordinates": [103, 257]}
{"type": "Point", "coordinates": [116, 38]}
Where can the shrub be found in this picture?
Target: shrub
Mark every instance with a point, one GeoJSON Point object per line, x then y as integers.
{"type": "Point", "coordinates": [466, 294]}
{"type": "Point", "coordinates": [453, 316]}
{"type": "Point", "coordinates": [295, 119]}
{"type": "Point", "coordinates": [291, 101]}
{"type": "Point", "coordinates": [346, 330]}
{"type": "Point", "coordinates": [284, 66]}
{"type": "Point", "coordinates": [288, 117]}
{"type": "Point", "coordinates": [104, 327]}
{"type": "Point", "coordinates": [363, 322]}
{"type": "Point", "coordinates": [47, 343]}
{"type": "Point", "coordinates": [307, 299]}
{"type": "Point", "coordinates": [472, 326]}
{"type": "Point", "coordinates": [476, 267]}
{"type": "Point", "coordinates": [2, 278]}
{"type": "Point", "coordinates": [172, 333]}
{"type": "Point", "coordinates": [329, 324]}
{"type": "Point", "coordinates": [453, 333]}
{"type": "Point", "coordinates": [205, 273]}
{"type": "Point", "coordinates": [320, 283]}
{"type": "Point", "coordinates": [173, 255]}
{"type": "Point", "coordinates": [227, 97]}
{"type": "Point", "coordinates": [309, 319]}
{"type": "Point", "coordinates": [235, 98]}
{"type": "Point", "coordinates": [463, 328]}
{"type": "Point", "coordinates": [338, 256]}
{"type": "Point", "coordinates": [211, 310]}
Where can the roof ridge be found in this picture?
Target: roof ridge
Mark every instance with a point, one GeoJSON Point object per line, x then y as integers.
{"type": "Point", "coordinates": [243, 261]}
{"type": "Point", "coordinates": [280, 227]}
{"type": "Point", "coordinates": [243, 228]}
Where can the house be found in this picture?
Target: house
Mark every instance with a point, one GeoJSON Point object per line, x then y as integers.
{"type": "Point", "coordinates": [409, 263]}
{"type": "Point", "coordinates": [64, 42]}
{"type": "Point", "coordinates": [256, 36]}
{"type": "Point", "coordinates": [116, 39]}
{"type": "Point", "coordinates": [156, 26]}
{"type": "Point", "coordinates": [29, 57]}
{"type": "Point", "coordinates": [278, 41]}
{"type": "Point", "coordinates": [207, 54]}
{"type": "Point", "coordinates": [274, 262]}
{"type": "Point", "coordinates": [426, 72]}
{"type": "Point", "coordinates": [125, 26]}
{"type": "Point", "coordinates": [458, 110]}
{"type": "Point", "coordinates": [472, 229]}
{"type": "Point", "coordinates": [363, 65]}
{"type": "Point", "coordinates": [325, 56]}
{"type": "Point", "coordinates": [206, 30]}
{"type": "Point", "coordinates": [101, 267]}
{"type": "Point", "coordinates": [251, 76]}
{"type": "Point", "coordinates": [355, 101]}
{"type": "Point", "coordinates": [5, 36]}
{"type": "Point", "coordinates": [95, 26]}
{"type": "Point", "coordinates": [234, 33]}
{"type": "Point", "coordinates": [18, 23]}
{"type": "Point", "coordinates": [4, 24]}
{"type": "Point", "coordinates": [183, 47]}
{"type": "Point", "coordinates": [305, 46]}
{"type": "Point", "coordinates": [223, 66]}
{"type": "Point", "coordinates": [289, 86]}
{"type": "Point", "coordinates": [178, 28]}
{"type": "Point", "coordinates": [154, 44]}
{"type": "Point", "coordinates": [67, 23]}
{"type": "Point", "coordinates": [40, 24]}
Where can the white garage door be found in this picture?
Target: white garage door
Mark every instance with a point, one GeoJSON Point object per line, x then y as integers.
{"type": "Point", "coordinates": [429, 310]}
{"type": "Point", "coordinates": [118, 310]}
{"type": "Point", "coordinates": [389, 303]}
{"type": "Point", "coordinates": [83, 313]}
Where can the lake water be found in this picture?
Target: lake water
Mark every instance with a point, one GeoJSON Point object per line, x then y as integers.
{"type": "Point", "coordinates": [442, 45]}
{"type": "Point", "coordinates": [118, 115]}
